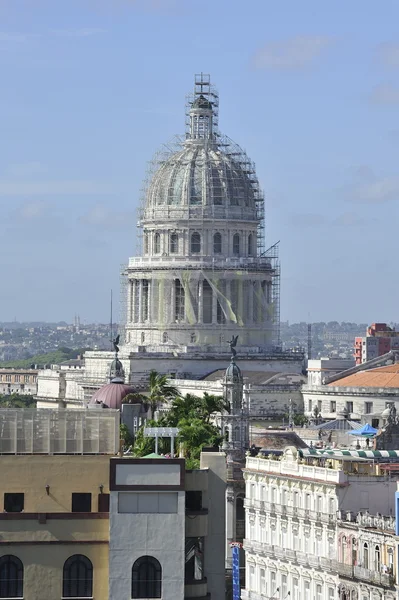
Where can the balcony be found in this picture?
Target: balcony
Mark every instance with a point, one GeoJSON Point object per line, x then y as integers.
{"type": "Point", "coordinates": [342, 569]}
{"type": "Point", "coordinates": [295, 469]}
{"type": "Point", "coordinates": [313, 560]}
{"type": "Point", "coordinates": [302, 558]}
{"type": "Point", "coordinates": [195, 589]}
{"type": "Point", "coordinates": [290, 554]}
{"type": "Point", "coordinates": [384, 579]}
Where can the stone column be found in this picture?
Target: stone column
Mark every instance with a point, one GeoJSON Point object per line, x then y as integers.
{"type": "Point", "coordinates": [214, 306]}
{"type": "Point", "coordinates": [129, 318]}
{"type": "Point", "coordinates": [250, 301]}
{"type": "Point", "coordinates": [140, 316]}
{"type": "Point", "coordinates": [258, 299]}
{"type": "Point", "coordinates": [228, 296]}
{"type": "Point", "coordinates": [149, 301]}
{"type": "Point", "coordinates": [200, 300]}
{"type": "Point", "coordinates": [172, 288]}
{"type": "Point", "coordinates": [134, 300]}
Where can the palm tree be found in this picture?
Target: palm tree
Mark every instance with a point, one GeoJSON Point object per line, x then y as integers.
{"type": "Point", "coordinates": [160, 390]}
{"type": "Point", "coordinates": [211, 404]}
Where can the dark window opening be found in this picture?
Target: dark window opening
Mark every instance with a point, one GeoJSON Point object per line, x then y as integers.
{"type": "Point", "coordinates": [146, 578]}
{"type": "Point", "coordinates": [179, 301]}
{"type": "Point", "coordinates": [81, 502]}
{"type": "Point", "coordinates": [195, 243]}
{"type": "Point", "coordinates": [13, 502]}
{"type": "Point", "coordinates": [194, 500]}
{"type": "Point", "coordinates": [77, 577]}
{"type": "Point", "coordinates": [240, 512]}
{"type": "Point", "coordinates": [11, 577]}
{"type": "Point", "coordinates": [194, 559]}
{"type": "Point", "coordinates": [217, 243]}
{"type": "Point", "coordinates": [236, 244]}
{"type": "Point", "coordinates": [207, 299]}
{"type": "Point", "coordinates": [250, 245]}
{"type": "Point", "coordinates": [157, 243]}
{"type": "Point", "coordinates": [173, 245]}
{"type": "Point", "coordinates": [103, 502]}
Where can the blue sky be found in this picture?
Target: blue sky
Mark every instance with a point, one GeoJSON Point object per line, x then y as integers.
{"type": "Point", "coordinates": [91, 88]}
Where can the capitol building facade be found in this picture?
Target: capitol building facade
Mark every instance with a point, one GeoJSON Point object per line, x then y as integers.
{"type": "Point", "coordinates": [202, 274]}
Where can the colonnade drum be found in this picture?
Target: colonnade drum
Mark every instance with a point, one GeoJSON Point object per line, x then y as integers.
{"type": "Point", "coordinates": [202, 275]}
{"type": "Point", "coordinates": [199, 307]}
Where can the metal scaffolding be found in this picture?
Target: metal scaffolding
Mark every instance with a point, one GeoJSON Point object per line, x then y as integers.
{"type": "Point", "coordinates": [222, 186]}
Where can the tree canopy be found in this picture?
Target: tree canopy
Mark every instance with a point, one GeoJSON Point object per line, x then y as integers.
{"type": "Point", "coordinates": [17, 401]}
{"type": "Point", "coordinates": [191, 414]}
{"type": "Point", "coordinates": [51, 358]}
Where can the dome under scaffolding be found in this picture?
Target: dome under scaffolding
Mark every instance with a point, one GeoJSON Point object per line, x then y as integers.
{"type": "Point", "coordinates": [201, 272]}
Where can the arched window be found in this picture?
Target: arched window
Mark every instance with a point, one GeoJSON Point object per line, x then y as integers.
{"type": "Point", "coordinates": [173, 243]}
{"type": "Point", "coordinates": [365, 555]}
{"type": "Point", "coordinates": [165, 337]}
{"type": "Point", "coordinates": [146, 578]}
{"type": "Point", "coordinates": [217, 243]}
{"type": "Point", "coordinates": [157, 243]}
{"type": "Point", "coordinates": [250, 245]}
{"type": "Point", "coordinates": [236, 244]}
{"type": "Point", "coordinates": [344, 549]}
{"type": "Point", "coordinates": [377, 565]}
{"type": "Point", "coordinates": [195, 243]}
{"type": "Point", "coordinates": [11, 577]}
{"type": "Point", "coordinates": [354, 551]}
{"type": "Point", "coordinates": [77, 577]}
{"type": "Point", "coordinates": [142, 337]}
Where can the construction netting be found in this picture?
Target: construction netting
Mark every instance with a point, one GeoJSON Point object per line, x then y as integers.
{"type": "Point", "coordinates": [59, 431]}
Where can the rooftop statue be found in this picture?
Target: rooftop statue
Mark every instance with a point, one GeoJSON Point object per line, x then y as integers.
{"type": "Point", "coordinates": [233, 344]}
{"type": "Point", "coordinates": [115, 343]}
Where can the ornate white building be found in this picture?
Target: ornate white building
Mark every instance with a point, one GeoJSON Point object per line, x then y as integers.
{"type": "Point", "coordinates": [299, 510]}
{"type": "Point", "coordinates": [202, 273]}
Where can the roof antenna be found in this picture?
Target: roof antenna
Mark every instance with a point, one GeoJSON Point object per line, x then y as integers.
{"type": "Point", "coordinates": [110, 324]}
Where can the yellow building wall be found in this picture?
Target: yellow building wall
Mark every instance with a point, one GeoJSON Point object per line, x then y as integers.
{"type": "Point", "coordinates": [43, 568]}
{"type": "Point", "coordinates": [47, 532]}
{"type": "Point", "coordinates": [64, 474]}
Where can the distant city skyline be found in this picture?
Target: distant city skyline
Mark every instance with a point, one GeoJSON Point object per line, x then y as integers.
{"type": "Point", "coordinates": [92, 88]}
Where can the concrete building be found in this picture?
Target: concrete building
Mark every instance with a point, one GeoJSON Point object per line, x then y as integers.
{"type": "Point", "coordinates": [321, 369]}
{"type": "Point", "coordinates": [61, 537]}
{"type": "Point", "coordinates": [202, 273]}
{"type": "Point", "coordinates": [54, 473]}
{"type": "Point", "coordinates": [169, 524]}
{"type": "Point", "coordinates": [18, 381]}
{"type": "Point", "coordinates": [296, 511]}
{"type": "Point", "coordinates": [380, 339]}
{"type": "Point", "coordinates": [362, 392]}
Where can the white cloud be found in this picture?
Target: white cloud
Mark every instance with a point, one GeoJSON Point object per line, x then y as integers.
{"type": "Point", "coordinates": [378, 191]}
{"type": "Point", "coordinates": [83, 32]}
{"type": "Point", "coordinates": [53, 188]}
{"type": "Point", "coordinates": [388, 54]}
{"type": "Point", "coordinates": [292, 54]}
{"type": "Point", "coordinates": [32, 209]}
{"type": "Point", "coordinates": [385, 94]}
